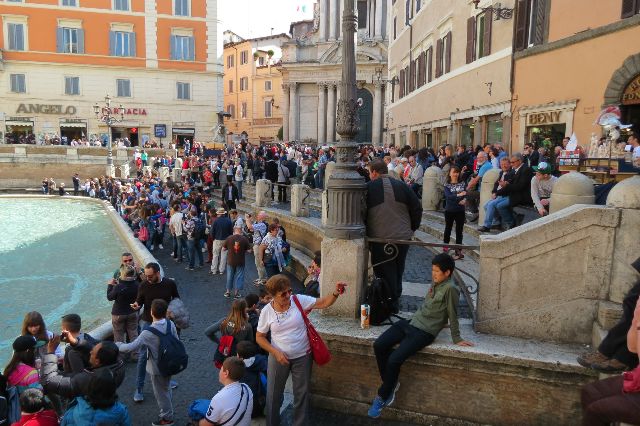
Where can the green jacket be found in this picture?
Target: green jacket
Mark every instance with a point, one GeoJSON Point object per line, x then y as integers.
{"type": "Point", "coordinates": [438, 308]}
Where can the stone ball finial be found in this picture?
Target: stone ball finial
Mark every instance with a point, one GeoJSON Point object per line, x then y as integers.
{"type": "Point", "coordinates": [433, 172]}
{"type": "Point", "coordinates": [626, 194]}
{"type": "Point", "coordinates": [572, 188]}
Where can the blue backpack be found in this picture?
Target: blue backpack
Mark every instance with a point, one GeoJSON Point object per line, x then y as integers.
{"type": "Point", "coordinates": [172, 355]}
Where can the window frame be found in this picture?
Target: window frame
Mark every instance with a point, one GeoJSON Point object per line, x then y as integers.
{"type": "Point", "coordinates": [118, 94]}
{"type": "Point", "coordinates": [8, 40]}
{"type": "Point", "coordinates": [231, 109]}
{"type": "Point", "coordinates": [76, 3]}
{"type": "Point", "coordinates": [244, 84]}
{"type": "Point", "coordinates": [183, 47]}
{"type": "Point", "coordinates": [268, 108]}
{"type": "Point", "coordinates": [183, 85]}
{"type": "Point", "coordinates": [23, 86]}
{"type": "Point", "coordinates": [77, 86]}
{"type": "Point", "coordinates": [244, 57]}
{"type": "Point", "coordinates": [175, 10]}
{"type": "Point", "coordinates": [231, 61]}
{"type": "Point", "coordinates": [69, 43]}
{"type": "Point", "coordinates": [270, 84]}
{"type": "Point", "coordinates": [115, 3]}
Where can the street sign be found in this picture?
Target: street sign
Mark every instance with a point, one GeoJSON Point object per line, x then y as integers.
{"type": "Point", "coordinates": [160, 130]}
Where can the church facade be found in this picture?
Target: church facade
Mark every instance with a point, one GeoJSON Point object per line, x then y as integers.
{"type": "Point", "coordinates": [311, 69]}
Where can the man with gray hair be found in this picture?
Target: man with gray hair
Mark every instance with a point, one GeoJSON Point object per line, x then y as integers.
{"type": "Point", "coordinates": [473, 187]}
{"type": "Point", "coordinates": [518, 191]}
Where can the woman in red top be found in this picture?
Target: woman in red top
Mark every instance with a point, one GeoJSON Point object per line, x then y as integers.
{"type": "Point", "coordinates": [35, 411]}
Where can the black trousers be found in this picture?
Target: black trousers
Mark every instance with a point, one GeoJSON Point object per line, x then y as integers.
{"type": "Point", "coordinates": [614, 344]}
{"type": "Point", "coordinates": [282, 193]}
{"type": "Point", "coordinates": [603, 403]}
{"type": "Point", "coordinates": [391, 272]}
{"type": "Point", "coordinates": [449, 218]}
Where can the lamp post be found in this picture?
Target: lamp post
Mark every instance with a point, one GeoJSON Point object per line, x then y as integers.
{"type": "Point", "coordinates": [345, 187]}
{"type": "Point", "coordinates": [109, 117]}
{"type": "Point", "coordinates": [498, 11]}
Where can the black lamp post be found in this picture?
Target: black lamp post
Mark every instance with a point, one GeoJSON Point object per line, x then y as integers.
{"type": "Point", "coordinates": [107, 116]}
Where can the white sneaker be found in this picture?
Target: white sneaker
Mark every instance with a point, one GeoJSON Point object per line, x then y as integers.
{"type": "Point", "coordinates": [161, 248]}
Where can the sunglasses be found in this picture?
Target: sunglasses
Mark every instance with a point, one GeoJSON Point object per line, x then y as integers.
{"type": "Point", "coordinates": [286, 293]}
{"type": "Point", "coordinates": [127, 260]}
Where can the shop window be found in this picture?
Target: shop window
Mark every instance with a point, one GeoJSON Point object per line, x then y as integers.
{"type": "Point", "coordinates": [244, 57]}
{"type": "Point", "coordinates": [123, 88]}
{"type": "Point", "coordinates": [182, 48]}
{"type": "Point", "coordinates": [184, 91]}
{"type": "Point", "coordinates": [18, 83]}
{"type": "Point", "coordinates": [70, 40]}
{"type": "Point", "coordinates": [121, 5]}
{"type": "Point", "coordinates": [72, 86]}
{"type": "Point", "coordinates": [268, 105]}
{"type": "Point", "coordinates": [122, 43]}
{"type": "Point", "coordinates": [16, 36]}
{"type": "Point", "coordinates": [181, 7]}
{"type": "Point", "coordinates": [267, 85]}
{"type": "Point", "coordinates": [467, 130]}
{"type": "Point", "coordinates": [531, 23]}
{"type": "Point", "coordinates": [494, 131]}
{"type": "Point", "coordinates": [403, 138]}
{"type": "Point", "coordinates": [630, 8]}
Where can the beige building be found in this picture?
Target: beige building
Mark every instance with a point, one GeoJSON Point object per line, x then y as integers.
{"type": "Point", "coordinates": [312, 70]}
{"type": "Point", "coordinates": [253, 87]}
{"type": "Point", "coordinates": [570, 64]}
{"type": "Point", "coordinates": [450, 68]}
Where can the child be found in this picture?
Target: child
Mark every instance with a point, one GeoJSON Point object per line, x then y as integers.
{"type": "Point", "coordinates": [440, 305]}
{"type": "Point", "coordinates": [255, 374]}
{"type": "Point", "coordinates": [253, 312]}
{"type": "Point", "coordinates": [233, 404]}
{"type": "Point", "coordinates": [33, 324]}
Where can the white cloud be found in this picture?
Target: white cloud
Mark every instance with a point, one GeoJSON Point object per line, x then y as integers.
{"type": "Point", "coordinates": [256, 18]}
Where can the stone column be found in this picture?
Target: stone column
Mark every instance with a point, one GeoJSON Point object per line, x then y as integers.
{"type": "Point", "coordinates": [343, 245]}
{"type": "Point", "coordinates": [300, 200]}
{"type": "Point", "coordinates": [376, 122]}
{"type": "Point", "coordinates": [263, 193]}
{"type": "Point", "coordinates": [285, 112]}
{"type": "Point", "coordinates": [322, 113]}
{"type": "Point", "coordinates": [489, 178]}
{"type": "Point", "coordinates": [331, 113]}
{"type": "Point", "coordinates": [432, 190]}
{"type": "Point", "coordinates": [338, 88]}
{"type": "Point", "coordinates": [328, 171]}
{"type": "Point", "coordinates": [293, 111]}
{"type": "Point", "coordinates": [333, 19]}
{"type": "Point", "coordinates": [323, 20]}
{"type": "Point", "coordinates": [379, 32]}
{"type": "Point", "coordinates": [124, 171]}
{"type": "Point", "coordinates": [572, 188]}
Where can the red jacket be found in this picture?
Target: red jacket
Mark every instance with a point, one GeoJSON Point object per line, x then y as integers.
{"type": "Point", "coordinates": [41, 418]}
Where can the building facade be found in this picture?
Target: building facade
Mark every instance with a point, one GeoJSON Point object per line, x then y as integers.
{"type": "Point", "coordinates": [253, 87]}
{"type": "Point", "coordinates": [570, 64]}
{"type": "Point", "coordinates": [159, 60]}
{"type": "Point", "coordinates": [449, 65]}
{"type": "Point", "coordinates": [312, 70]}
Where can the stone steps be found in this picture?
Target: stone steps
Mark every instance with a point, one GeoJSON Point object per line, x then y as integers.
{"type": "Point", "coordinates": [435, 228]}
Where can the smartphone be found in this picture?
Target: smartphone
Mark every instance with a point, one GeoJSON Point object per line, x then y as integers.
{"type": "Point", "coordinates": [341, 288]}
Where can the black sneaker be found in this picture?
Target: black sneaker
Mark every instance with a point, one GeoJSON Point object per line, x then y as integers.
{"type": "Point", "coordinates": [483, 229]}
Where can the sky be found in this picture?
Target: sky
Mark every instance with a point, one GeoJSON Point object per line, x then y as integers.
{"type": "Point", "coordinates": [256, 18]}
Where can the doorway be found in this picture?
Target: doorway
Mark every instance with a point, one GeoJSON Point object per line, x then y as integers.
{"type": "Point", "coordinates": [365, 112]}
{"type": "Point", "coordinates": [631, 115]}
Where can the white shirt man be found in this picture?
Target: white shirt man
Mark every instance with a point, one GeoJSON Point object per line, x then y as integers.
{"type": "Point", "coordinates": [233, 404]}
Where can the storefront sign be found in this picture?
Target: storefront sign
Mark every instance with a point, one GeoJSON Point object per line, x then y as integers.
{"type": "Point", "coordinates": [541, 118]}
{"type": "Point", "coordinates": [160, 130]}
{"type": "Point", "coordinates": [25, 119]}
{"type": "Point", "coordinates": [631, 95]}
{"type": "Point", "coordinates": [74, 120]}
{"type": "Point", "coordinates": [46, 109]}
{"type": "Point", "coordinates": [126, 111]}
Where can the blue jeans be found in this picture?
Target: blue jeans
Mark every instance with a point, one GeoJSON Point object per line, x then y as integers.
{"type": "Point", "coordinates": [141, 368]}
{"type": "Point", "coordinates": [491, 211]}
{"type": "Point", "coordinates": [195, 250]}
{"type": "Point", "coordinates": [504, 209]}
{"type": "Point", "coordinates": [411, 339]}
{"type": "Point", "coordinates": [235, 277]}
{"type": "Point", "coordinates": [239, 186]}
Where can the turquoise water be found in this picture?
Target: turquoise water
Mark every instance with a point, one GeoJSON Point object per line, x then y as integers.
{"type": "Point", "coordinates": [56, 256]}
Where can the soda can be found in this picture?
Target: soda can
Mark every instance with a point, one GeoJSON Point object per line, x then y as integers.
{"type": "Point", "coordinates": [365, 310]}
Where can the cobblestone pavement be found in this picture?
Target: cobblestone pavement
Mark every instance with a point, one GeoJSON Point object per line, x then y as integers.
{"type": "Point", "coordinates": [203, 295]}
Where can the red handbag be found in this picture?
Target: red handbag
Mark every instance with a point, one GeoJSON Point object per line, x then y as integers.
{"type": "Point", "coordinates": [631, 381]}
{"type": "Point", "coordinates": [319, 350]}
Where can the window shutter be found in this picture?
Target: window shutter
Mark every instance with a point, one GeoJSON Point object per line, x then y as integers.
{"type": "Point", "coordinates": [520, 41]}
{"type": "Point", "coordinates": [439, 58]}
{"type": "Point", "coordinates": [132, 44]}
{"type": "Point", "coordinates": [59, 40]}
{"type": "Point", "coordinates": [192, 49]}
{"type": "Point", "coordinates": [407, 10]}
{"type": "Point", "coordinates": [412, 72]}
{"type": "Point", "coordinates": [19, 35]}
{"type": "Point", "coordinates": [471, 39]}
{"type": "Point", "coordinates": [401, 89]}
{"type": "Point", "coordinates": [629, 8]}
{"type": "Point", "coordinates": [488, 22]}
{"type": "Point", "coordinates": [80, 34]}
{"type": "Point", "coordinates": [447, 53]}
{"type": "Point", "coordinates": [540, 20]}
{"type": "Point", "coordinates": [430, 64]}
{"type": "Point", "coordinates": [174, 47]}
{"type": "Point", "coordinates": [112, 43]}
{"type": "Point", "coordinates": [406, 80]}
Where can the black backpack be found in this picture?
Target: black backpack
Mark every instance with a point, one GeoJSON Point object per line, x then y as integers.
{"type": "Point", "coordinates": [378, 297]}
{"type": "Point", "coordinates": [199, 230]}
{"type": "Point", "coordinates": [172, 355]}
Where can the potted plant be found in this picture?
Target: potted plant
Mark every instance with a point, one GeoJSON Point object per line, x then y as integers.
{"type": "Point", "coordinates": [270, 53]}
{"type": "Point", "coordinates": [256, 55]}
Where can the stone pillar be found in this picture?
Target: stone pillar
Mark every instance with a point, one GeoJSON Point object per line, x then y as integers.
{"type": "Point", "coordinates": [331, 113]}
{"type": "Point", "coordinates": [572, 188]}
{"type": "Point", "coordinates": [124, 171]}
{"type": "Point", "coordinates": [146, 171]}
{"type": "Point", "coordinates": [376, 122]}
{"type": "Point", "coordinates": [293, 112]}
{"type": "Point", "coordinates": [323, 20]}
{"type": "Point", "coordinates": [285, 112]}
{"type": "Point", "coordinates": [325, 208]}
{"type": "Point", "coordinates": [164, 174]}
{"type": "Point", "coordinates": [333, 20]}
{"type": "Point", "coordinates": [432, 188]}
{"type": "Point", "coordinates": [300, 200]}
{"type": "Point", "coordinates": [489, 178]}
{"type": "Point", "coordinates": [379, 32]}
{"type": "Point", "coordinates": [110, 170]}
{"type": "Point", "coordinates": [328, 171]}
{"type": "Point", "coordinates": [177, 175]}
{"type": "Point", "coordinates": [322, 113]}
{"type": "Point", "coordinates": [263, 193]}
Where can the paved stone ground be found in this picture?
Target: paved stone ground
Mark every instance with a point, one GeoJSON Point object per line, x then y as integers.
{"type": "Point", "coordinates": [203, 295]}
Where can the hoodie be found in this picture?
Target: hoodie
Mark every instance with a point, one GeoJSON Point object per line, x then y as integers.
{"type": "Point", "coordinates": [80, 413]}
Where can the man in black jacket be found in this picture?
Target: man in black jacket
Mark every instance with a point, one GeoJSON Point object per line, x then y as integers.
{"type": "Point", "coordinates": [394, 212]}
{"type": "Point", "coordinates": [103, 355]}
{"type": "Point", "coordinates": [271, 171]}
{"type": "Point", "coordinates": [518, 191]}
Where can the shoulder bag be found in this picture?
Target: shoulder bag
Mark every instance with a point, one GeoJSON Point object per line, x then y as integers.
{"type": "Point", "coordinates": [319, 350]}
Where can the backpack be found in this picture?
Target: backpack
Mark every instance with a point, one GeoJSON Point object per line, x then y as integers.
{"type": "Point", "coordinates": [226, 348]}
{"type": "Point", "coordinates": [199, 230]}
{"type": "Point", "coordinates": [10, 406]}
{"type": "Point", "coordinates": [172, 355]}
{"type": "Point", "coordinates": [143, 233]}
{"type": "Point", "coordinates": [378, 297]}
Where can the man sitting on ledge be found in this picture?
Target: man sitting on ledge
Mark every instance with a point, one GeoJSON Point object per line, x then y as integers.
{"type": "Point", "coordinates": [440, 305]}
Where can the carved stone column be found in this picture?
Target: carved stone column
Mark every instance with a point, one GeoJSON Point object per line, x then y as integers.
{"type": "Point", "coordinates": [379, 32]}
{"type": "Point", "coordinates": [293, 111]}
{"type": "Point", "coordinates": [323, 20]}
{"type": "Point", "coordinates": [333, 19]}
{"type": "Point", "coordinates": [322, 113]}
{"type": "Point", "coordinates": [331, 112]}
{"type": "Point", "coordinates": [285, 111]}
{"type": "Point", "coordinates": [376, 121]}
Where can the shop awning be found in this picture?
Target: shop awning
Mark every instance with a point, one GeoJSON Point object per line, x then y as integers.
{"type": "Point", "coordinates": [19, 123]}
{"type": "Point", "coordinates": [183, 131]}
{"type": "Point", "coordinates": [77, 125]}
